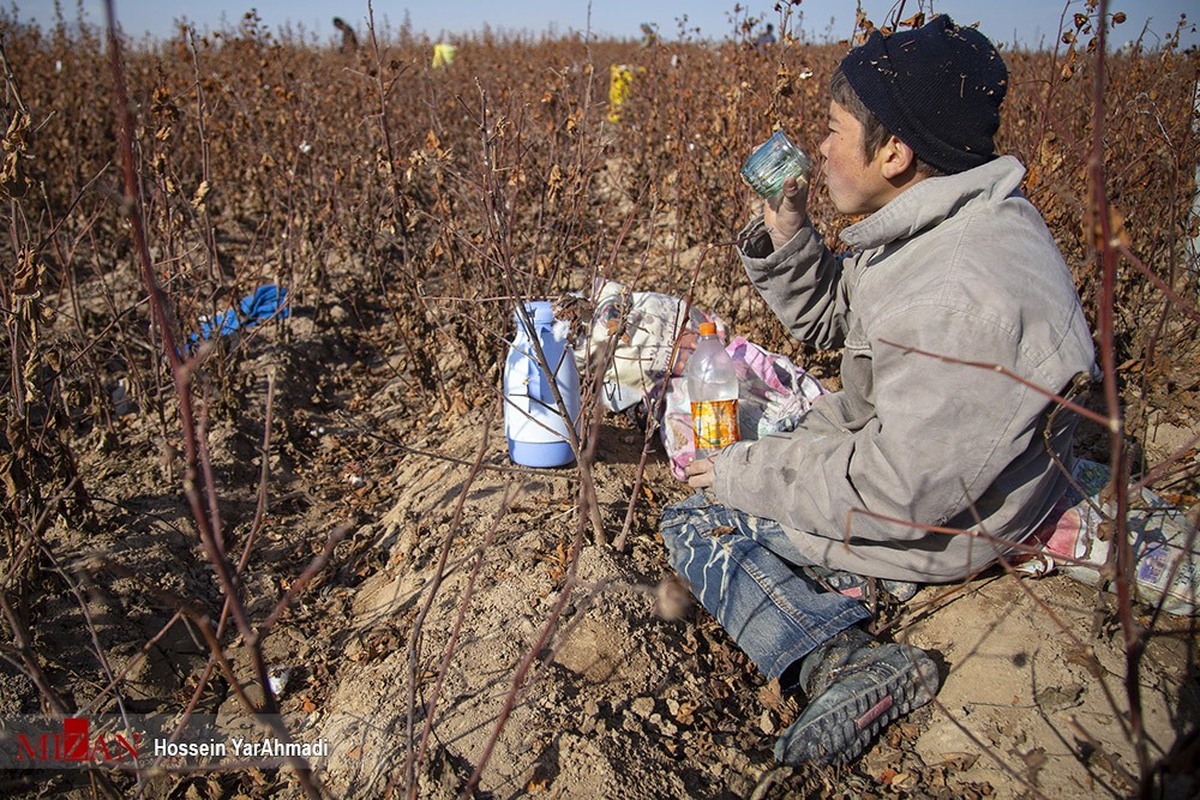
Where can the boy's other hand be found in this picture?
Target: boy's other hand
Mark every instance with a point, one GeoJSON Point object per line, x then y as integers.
{"type": "Point", "coordinates": [699, 473]}
{"type": "Point", "coordinates": [785, 214]}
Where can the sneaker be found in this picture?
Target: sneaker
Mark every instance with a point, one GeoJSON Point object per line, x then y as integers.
{"type": "Point", "coordinates": [858, 698]}
{"type": "Point", "coordinates": [855, 586]}
{"type": "Point", "coordinates": [900, 591]}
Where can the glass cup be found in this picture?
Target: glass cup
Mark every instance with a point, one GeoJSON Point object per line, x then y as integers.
{"type": "Point", "coordinates": [772, 163]}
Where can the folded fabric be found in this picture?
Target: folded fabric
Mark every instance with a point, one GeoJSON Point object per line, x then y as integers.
{"type": "Point", "coordinates": [645, 325]}
{"type": "Point", "coordinates": [1166, 552]}
{"type": "Point", "coordinates": [264, 303]}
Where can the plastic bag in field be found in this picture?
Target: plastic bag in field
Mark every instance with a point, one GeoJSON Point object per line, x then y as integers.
{"type": "Point", "coordinates": [646, 325]}
{"type": "Point", "coordinates": [443, 55]}
{"type": "Point", "coordinates": [264, 303]}
{"type": "Point", "coordinates": [1164, 542]}
{"type": "Point", "coordinates": [773, 394]}
{"type": "Point", "coordinates": [620, 86]}
{"type": "Point", "coordinates": [651, 329]}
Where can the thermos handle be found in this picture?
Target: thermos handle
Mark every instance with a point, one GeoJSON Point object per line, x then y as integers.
{"type": "Point", "coordinates": [538, 390]}
{"type": "Point", "coordinates": [535, 377]}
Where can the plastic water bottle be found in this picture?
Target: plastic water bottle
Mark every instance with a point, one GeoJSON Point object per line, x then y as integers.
{"type": "Point", "coordinates": [536, 430]}
{"type": "Point", "coordinates": [713, 390]}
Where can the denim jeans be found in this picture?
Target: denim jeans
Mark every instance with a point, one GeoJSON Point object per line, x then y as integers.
{"type": "Point", "coordinates": [746, 572]}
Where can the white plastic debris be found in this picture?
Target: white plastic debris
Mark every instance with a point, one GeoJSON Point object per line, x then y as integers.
{"type": "Point", "coordinates": [278, 679]}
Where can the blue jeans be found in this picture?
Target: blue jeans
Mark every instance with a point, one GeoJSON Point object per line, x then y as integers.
{"type": "Point", "coordinates": [746, 572]}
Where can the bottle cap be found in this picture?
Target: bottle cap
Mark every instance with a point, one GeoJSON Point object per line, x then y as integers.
{"type": "Point", "coordinates": [708, 329]}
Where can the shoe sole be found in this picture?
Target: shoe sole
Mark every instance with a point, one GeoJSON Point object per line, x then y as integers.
{"type": "Point", "coordinates": [841, 734]}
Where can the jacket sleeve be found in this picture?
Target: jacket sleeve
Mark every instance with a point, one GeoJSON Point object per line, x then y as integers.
{"type": "Point", "coordinates": [939, 435]}
{"type": "Point", "coordinates": [802, 282]}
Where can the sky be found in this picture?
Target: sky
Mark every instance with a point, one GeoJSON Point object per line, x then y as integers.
{"type": "Point", "coordinates": [1030, 23]}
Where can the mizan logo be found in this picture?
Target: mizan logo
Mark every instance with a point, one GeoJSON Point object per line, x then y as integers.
{"type": "Point", "coordinates": [75, 744]}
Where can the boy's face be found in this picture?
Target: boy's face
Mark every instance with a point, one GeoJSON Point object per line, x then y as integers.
{"type": "Point", "coordinates": [856, 186]}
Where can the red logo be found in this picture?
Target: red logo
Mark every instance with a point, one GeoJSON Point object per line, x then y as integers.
{"type": "Point", "coordinates": [74, 744]}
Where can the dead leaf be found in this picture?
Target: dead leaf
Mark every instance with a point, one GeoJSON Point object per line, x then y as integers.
{"type": "Point", "coordinates": [201, 193]}
{"type": "Point", "coordinates": [686, 714]}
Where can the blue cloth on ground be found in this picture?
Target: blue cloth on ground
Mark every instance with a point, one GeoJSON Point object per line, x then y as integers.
{"type": "Point", "coordinates": [266, 302]}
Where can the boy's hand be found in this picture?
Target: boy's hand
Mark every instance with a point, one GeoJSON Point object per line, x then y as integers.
{"type": "Point", "coordinates": [785, 214]}
{"type": "Point", "coordinates": [699, 473]}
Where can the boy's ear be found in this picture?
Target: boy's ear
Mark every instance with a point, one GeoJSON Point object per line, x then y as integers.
{"type": "Point", "coordinates": [895, 158]}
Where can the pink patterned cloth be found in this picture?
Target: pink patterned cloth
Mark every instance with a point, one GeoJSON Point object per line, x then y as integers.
{"type": "Point", "coordinates": [1166, 552]}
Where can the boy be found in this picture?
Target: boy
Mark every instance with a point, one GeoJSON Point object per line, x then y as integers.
{"type": "Point", "coordinates": [919, 470]}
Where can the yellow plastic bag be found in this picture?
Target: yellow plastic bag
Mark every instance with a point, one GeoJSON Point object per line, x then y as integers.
{"type": "Point", "coordinates": [620, 84]}
{"type": "Point", "coordinates": [443, 55]}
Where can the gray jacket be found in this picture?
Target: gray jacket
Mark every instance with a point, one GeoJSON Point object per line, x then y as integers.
{"type": "Point", "coordinates": [961, 266]}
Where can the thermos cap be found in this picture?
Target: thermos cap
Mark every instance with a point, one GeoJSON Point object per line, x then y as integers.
{"type": "Point", "coordinates": [541, 312]}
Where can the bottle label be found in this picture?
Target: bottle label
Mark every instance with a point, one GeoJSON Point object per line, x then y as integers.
{"type": "Point", "coordinates": [715, 424]}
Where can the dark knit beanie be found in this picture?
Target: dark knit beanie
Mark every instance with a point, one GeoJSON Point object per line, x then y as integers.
{"type": "Point", "coordinates": [937, 88]}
